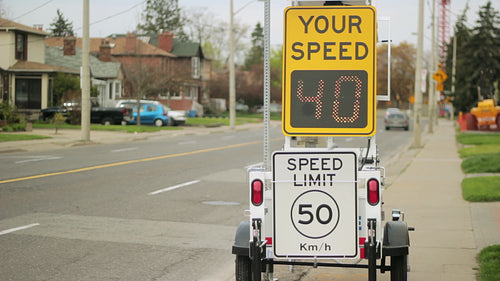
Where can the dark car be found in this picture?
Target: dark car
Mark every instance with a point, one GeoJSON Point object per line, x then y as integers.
{"type": "Point", "coordinates": [49, 112]}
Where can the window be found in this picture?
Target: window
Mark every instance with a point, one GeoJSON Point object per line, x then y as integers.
{"type": "Point", "coordinates": [28, 93]}
{"type": "Point", "coordinates": [175, 95]}
{"type": "Point", "coordinates": [195, 67]}
{"type": "Point", "coordinates": [118, 91]}
{"type": "Point", "coordinates": [21, 46]}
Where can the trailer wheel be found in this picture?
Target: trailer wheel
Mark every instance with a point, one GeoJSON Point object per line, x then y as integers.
{"type": "Point", "coordinates": [243, 270]}
{"type": "Point", "coordinates": [399, 268]}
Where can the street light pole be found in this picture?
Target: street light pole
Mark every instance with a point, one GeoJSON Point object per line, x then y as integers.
{"type": "Point", "coordinates": [232, 84]}
{"type": "Point", "coordinates": [418, 77]}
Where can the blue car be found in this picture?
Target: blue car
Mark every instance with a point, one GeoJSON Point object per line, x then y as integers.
{"type": "Point", "coordinates": [152, 114]}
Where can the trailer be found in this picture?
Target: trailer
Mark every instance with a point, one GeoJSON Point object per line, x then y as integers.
{"type": "Point", "coordinates": [313, 203]}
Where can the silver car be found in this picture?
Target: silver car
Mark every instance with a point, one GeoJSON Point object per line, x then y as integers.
{"type": "Point", "coordinates": [397, 120]}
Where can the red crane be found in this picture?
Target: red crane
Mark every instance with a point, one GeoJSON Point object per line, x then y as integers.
{"type": "Point", "coordinates": [443, 29]}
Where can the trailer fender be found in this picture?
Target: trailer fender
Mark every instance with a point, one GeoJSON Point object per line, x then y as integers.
{"type": "Point", "coordinates": [241, 245]}
{"type": "Point", "coordinates": [396, 239]}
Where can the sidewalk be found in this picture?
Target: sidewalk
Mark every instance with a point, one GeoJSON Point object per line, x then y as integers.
{"type": "Point", "coordinates": [449, 231]}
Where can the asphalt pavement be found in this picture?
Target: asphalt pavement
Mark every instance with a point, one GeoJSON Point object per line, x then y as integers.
{"type": "Point", "coordinates": [424, 182]}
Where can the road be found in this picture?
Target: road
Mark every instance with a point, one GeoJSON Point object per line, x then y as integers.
{"type": "Point", "coordinates": [164, 209]}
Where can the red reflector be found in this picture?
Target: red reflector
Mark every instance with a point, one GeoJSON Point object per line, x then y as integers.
{"type": "Point", "coordinates": [373, 192]}
{"type": "Point", "coordinates": [362, 253]}
{"type": "Point", "coordinates": [362, 241]}
{"type": "Point", "coordinates": [269, 240]}
{"type": "Point", "coordinates": [257, 192]}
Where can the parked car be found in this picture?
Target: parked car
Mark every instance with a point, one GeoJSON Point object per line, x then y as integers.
{"type": "Point", "coordinates": [102, 115]}
{"type": "Point", "coordinates": [155, 114]}
{"type": "Point", "coordinates": [178, 117]}
{"type": "Point", "coordinates": [397, 120]}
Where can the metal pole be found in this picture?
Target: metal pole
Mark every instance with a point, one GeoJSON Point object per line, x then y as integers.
{"type": "Point", "coordinates": [453, 74]}
{"type": "Point", "coordinates": [432, 84]}
{"type": "Point", "coordinates": [232, 84]}
{"type": "Point", "coordinates": [267, 83]}
{"type": "Point", "coordinates": [418, 77]}
{"type": "Point", "coordinates": [85, 114]}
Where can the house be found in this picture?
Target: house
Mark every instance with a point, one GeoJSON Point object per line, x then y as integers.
{"type": "Point", "coordinates": [25, 77]}
{"type": "Point", "coordinates": [192, 69]}
{"type": "Point", "coordinates": [106, 75]}
{"type": "Point", "coordinates": [182, 71]}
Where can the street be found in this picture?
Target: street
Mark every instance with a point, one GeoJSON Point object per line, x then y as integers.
{"type": "Point", "coordinates": [162, 209]}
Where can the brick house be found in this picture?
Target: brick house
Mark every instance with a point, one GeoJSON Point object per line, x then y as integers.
{"type": "Point", "coordinates": [181, 66]}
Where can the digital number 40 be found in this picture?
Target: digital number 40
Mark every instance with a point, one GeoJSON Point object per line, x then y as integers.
{"type": "Point", "coordinates": [318, 98]}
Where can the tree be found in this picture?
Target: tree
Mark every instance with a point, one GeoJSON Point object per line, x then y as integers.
{"type": "Point", "coordinates": [61, 26]}
{"type": "Point", "coordinates": [402, 72]}
{"type": "Point", "coordinates": [256, 53]}
{"type": "Point", "coordinates": [163, 15]}
{"type": "Point", "coordinates": [478, 58]}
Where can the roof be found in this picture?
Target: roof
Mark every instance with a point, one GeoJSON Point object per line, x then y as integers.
{"type": "Point", "coordinates": [179, 48]}
{"type": "Point", "coordinates": [99, 69]}
{"type": "Point", "coordinates": [186, 49]}
{"type": "Point", "coordinates": [117, 46]}
{"type": "Point", "coordinates": [7, 25]}
{"type": "Point", "coordinates": [29, 66]}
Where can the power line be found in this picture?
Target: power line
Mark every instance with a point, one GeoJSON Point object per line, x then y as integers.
{"type": "Point", "coordinates": [112, 16]}
{"type": "Point", "coordinates": [33, 10]}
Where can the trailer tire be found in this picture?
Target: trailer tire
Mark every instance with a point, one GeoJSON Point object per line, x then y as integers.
{"type": "Point", "coordinates": [399, 268]}
{"type": "Point", "coordinates": [243, 270]}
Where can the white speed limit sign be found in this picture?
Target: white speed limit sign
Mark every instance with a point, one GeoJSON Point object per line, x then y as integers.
{"type": "Point", "coordinates": [315, 204]}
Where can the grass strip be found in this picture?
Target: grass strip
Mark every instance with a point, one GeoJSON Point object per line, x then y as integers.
{"type": "Point", "coordinates": [478, 150]}
{"type": "Point", "coordinates": [487, 163]}
{"type": "Point", "coordinates": [481, 189]}
{"type": "Point", "coordinates": [21, 137]}
{"type": "Point", "coordinates": [478, 139]}
{"type": "Point", "coordinates": [489, 260]}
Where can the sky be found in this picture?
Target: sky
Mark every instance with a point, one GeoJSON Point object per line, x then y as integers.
{"type": "Point", "coordinates": [121, 16]}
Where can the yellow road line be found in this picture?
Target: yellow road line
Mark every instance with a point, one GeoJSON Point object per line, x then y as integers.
{"type": "Point", "coordinates": [129, 162]}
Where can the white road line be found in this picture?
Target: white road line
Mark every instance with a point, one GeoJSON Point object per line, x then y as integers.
{"type": "Point", "coordinates": [174, 187]}
{"type": "Point", "coordinates": [124, 149]}
{"type": "Point", "coordinates": [186, 142]}
{"type": "Point", "coordinates": [38, 159]}
{"type": "Point", "coordinates": [18, 228]}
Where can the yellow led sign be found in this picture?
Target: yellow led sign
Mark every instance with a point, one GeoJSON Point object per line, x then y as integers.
{"type": "Point", "coordinates": [329, 71]}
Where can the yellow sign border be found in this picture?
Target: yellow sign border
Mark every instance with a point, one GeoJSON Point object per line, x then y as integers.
{"type": "Point", "coordinates": [368, 130]}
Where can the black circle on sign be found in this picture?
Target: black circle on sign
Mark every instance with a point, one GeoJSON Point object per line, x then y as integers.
{"type": "Point", "coordinates": [325, 232]}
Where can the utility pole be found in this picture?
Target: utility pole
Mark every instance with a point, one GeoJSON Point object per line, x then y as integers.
{"type": "Point", "coordinates": [85, 114]}
{"type": "Point", "coordinates": [417, 119]}
{"type": "Point", "coordinates": [453, 74]}
{"type": "Point", "coordinates": [232, 83]}
{"type": "Point", "coordinates": [432, 84]}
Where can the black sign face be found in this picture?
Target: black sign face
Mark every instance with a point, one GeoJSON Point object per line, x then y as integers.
{"type": "Point", "coordinates": [329, 99]}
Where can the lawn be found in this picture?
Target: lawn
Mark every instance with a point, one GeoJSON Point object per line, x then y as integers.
{"type": "Point", "coordinates": [483, 163]}
{"type": "Point", "coordinates": [482, 157]}
{"type": "Point", "coordinates": [20, 137]}
{"type": "Point", "coordinates": [479, 139]}
{"type": "Point", "coordinates": [481, 189]}
{"type": "Point", "coordinates": [489, 260]}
